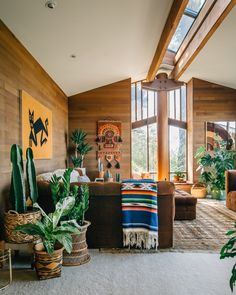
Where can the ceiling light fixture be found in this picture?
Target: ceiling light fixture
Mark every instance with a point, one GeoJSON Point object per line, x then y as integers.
{"type": "Point", "coordinates": [51, 4]}
{"type": "Point", "coordinates": [73, 56]}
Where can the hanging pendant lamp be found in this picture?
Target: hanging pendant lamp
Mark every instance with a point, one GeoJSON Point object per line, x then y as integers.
{"type": "Point", "coordinates": [162, 83]}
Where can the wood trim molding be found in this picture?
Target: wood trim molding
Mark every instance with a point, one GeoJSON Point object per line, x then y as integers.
{"type": "Point", "coordinates": [213, 20]}
{"type": "Point", "coordinates": [176, 12]}
{"type": "Point", "coordinates": [177, 123]}
{"type": "Point", "coordinates": [144, 122]}
{"type": "Point", "coordinates": [169, 58]}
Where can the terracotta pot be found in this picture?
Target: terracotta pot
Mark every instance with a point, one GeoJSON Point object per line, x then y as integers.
{"type": "Point", "coordinates": [79, 254]}
{"type": "Point", "coordinates": [48, 266]}
{"type": "Point", "coordinates": [176, 178]}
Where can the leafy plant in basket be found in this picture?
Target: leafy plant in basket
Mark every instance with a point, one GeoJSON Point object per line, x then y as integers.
{"type": "Point", "coordinates": [80, 195]}
{"type": "Point", "coordinates": [229, 251]}
{"type": "Point", "coordinates": [20, 213]}
{"type": "Point", "coordinates": [76, 214]}
{"type": "Point", "coordinates": [52, 232]}
{"type": "Point", "coordinates": [82, 148]}
{"type": "Point", "coordinates": [213, 165]}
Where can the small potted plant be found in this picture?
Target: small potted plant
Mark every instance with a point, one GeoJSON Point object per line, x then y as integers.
{"type": "Point", "coordinates": [20, 213]}
{"type": "Point", "coordinates": [178, 176]}
{"type": "Point", "coordinates": [82, 148]}
{"type": "Point", "coordinates": [79, 254]}
{"type": "Point", "coordinates": [54, 238]}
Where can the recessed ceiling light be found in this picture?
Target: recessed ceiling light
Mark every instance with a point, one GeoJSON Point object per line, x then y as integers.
{"type": "Point", "coordinates": [73, 56]}
{"type": "Point", "coordinates": [51, 4]}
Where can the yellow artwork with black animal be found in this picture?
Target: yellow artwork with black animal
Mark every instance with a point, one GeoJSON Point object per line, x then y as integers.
{"type": "Point", "coordinates": [36, 127]}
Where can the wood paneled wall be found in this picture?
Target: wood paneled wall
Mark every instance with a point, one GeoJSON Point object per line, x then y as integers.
{"type": "Point", "coordinates": [111, 101]}
{"type": "Point", "coordinates": [19, 70]}
{"type": "Point", "coordinates": [210, 102]}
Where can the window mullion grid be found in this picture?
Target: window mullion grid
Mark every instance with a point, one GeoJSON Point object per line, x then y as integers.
{"type": "Point", "coordinates": [136, 103]}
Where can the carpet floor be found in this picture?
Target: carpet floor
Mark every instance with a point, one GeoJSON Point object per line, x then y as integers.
{"type": "Point", "coordinates": [207, 231]}
{"type": "Point", "coordinates": [136, 274]}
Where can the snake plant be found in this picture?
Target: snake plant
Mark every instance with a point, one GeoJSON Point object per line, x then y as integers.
{"type": "Point", "coordinates": [17, 190]}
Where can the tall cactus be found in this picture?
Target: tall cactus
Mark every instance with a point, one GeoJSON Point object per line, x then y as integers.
{"type": "Point", "coordinates": [31, 176]}
{"type": "Point", "coordinates": [17, 192]}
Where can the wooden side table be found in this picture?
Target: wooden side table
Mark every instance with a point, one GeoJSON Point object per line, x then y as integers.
{"type": "Point", "coordinates": [184, 186]}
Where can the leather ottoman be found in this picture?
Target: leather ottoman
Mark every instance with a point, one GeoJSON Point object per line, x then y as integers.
{"type": "Point", "coordinates": [185, 206]}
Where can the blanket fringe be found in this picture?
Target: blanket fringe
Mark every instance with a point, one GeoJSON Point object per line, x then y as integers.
{"type": "Point", "coordinates": [142, 240]}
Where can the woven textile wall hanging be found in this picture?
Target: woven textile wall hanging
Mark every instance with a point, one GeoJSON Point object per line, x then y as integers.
{"type": "Point", "coordinates": [109, 143]}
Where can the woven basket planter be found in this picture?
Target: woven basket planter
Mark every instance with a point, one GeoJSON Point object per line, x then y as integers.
{"type": "Point", "coordinates": [13, 219]}
{"type": "Point", "coordinates": [79, 254]}
{"type": "Point", "coordinates": [48, 266]}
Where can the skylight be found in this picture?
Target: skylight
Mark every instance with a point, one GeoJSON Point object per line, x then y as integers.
{"type": "Point", "coordinates": [190, 14]}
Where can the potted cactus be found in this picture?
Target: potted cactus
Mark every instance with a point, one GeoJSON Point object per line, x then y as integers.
{"type": "Point", "coordinates": [79, 254]}
{"type": "Point", "coordinates": [20, 213]}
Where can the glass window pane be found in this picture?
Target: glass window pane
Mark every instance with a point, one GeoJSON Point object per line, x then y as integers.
{"type": "Point", "coordinates": [171, 104]}
{"type": "Point", "coordinates": [177, 103]}
{"type": "Point", "coordinates": [151, 103]}
{"type": "Point", "coordinates": [195, 5]}
{"type": "Point", "coordinates": [155, 93]}
{"type": "Point", "coordinates": [133, 102]}
{"type": "Point", "coordinates": [145, 106]}
{"type": "Point", "coordinates": [152, 129]}
{"type": "Point", "coordinates": [183, 103]}
{"type": "Point", "coordinates": [177, 149]}
{"type": "Point", "coordinates": [139, 150]}
{"type": "Point", "coordinates": [139, 104]}
{"type": "Point", "coordinates": [180, 33]}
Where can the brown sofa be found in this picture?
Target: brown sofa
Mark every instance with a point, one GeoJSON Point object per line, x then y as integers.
{"type": "Point", "coordinates": [105, 213]}
{"type": "Point", "coordinates": [230, 189]}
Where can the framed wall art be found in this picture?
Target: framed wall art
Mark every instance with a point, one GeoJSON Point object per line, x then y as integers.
{"type": "Point", "coordinates": [36, 127]}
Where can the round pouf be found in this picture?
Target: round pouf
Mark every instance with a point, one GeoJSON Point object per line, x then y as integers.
{"type": "Point", "coordinates": [48, 266]}
{"type": "Point", "coordinates": [79, 254]}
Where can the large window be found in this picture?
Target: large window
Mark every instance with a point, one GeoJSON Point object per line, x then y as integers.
{"type": "Point", "coordinates": [144, 130]}
{"type": "Point", "coordinates": [177, 132]}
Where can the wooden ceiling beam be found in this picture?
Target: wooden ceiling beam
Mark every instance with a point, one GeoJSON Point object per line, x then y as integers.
{"type": "Point", "coordinates": [213, 20]}
{"type": "Point", "coordinates": [176, 12]}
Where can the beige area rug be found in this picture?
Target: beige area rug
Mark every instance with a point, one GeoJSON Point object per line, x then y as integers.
{"type": "Point", "coordinates": [207, 231]}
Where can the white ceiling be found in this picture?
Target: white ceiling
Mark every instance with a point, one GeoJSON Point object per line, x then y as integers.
{"type": "Point", "coordinates": [112, 39]}
{"type": "Point", "coordinates": [216, 62]}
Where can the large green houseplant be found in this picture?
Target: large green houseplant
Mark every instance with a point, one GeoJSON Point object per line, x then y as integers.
{"type": "Point", "coordinates": [213, 165]}
{"type": "Point", "coordinates": [76, 214]}
{"type": "Point", "coordinates": [20, 213]}
{"type": "Point", "coordinates": [229, 251]}
{"type": "Point", "coordinates": [54, 236]}
{"type": "Point", "coordinates": [82, 148]}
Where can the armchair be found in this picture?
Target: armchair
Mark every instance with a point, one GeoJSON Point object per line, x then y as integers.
{"type": "Point", "coordinates": [230, 189]}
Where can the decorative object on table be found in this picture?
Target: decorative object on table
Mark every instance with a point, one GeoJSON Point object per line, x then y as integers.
{"type": "Point", "coordinates": [139, 210]}
{"type": "Point", "coordinates": [54, 236]}
{"type": "Point", "coordinates": [108, 176]}
{"type": "Point", "coordinates": [213, 165]}
{"type": "Point", "coordinates": [118, 177]}
{"type": "Point", "coordinates": [36, 127]}
{"type": "Point", "coordinates": [100, 168]}
{"type": "Point", "coordinates": [82, 147]}
{"type": "Point", "coordinates": [199, 190]}
{"type": "Point", "coordinates": [20, 213]}
{"type": "Point", "coordinates": [79, 254]}
{"type": "Point", "coordinates": [145, 175]}
{"type": "Point", "coordinates": [229, 251]}
{"type": "Point", "coordinates": [178, 176]}
{"type": "Point", "coordinates": [5, 268]}
{"type": "Point", "coordinates": [109, 142]}
{"type": "Point", "coordinates": [220, 131]}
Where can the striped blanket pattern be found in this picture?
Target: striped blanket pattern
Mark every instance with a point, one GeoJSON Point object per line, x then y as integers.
{"type": "Point", "coordinates": [139, 211]}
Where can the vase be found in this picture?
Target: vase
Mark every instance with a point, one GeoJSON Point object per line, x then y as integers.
{"type": "Point", "coordinates": [216, 193]}
{"type": "Point", "coordinates": [222, 195]}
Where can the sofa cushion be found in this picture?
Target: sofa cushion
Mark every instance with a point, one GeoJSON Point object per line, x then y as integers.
{"type": "Point", "coordinates": [183, 198]}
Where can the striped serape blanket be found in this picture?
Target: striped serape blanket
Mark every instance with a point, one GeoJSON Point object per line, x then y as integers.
{"type": "Point", "coordinates": [139, 210]}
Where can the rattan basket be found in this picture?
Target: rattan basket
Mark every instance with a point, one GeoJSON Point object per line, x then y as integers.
{"type": "Point", "coordinates": [199, 190]}
{"type": "Point", "coordinates": [12, 219]}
